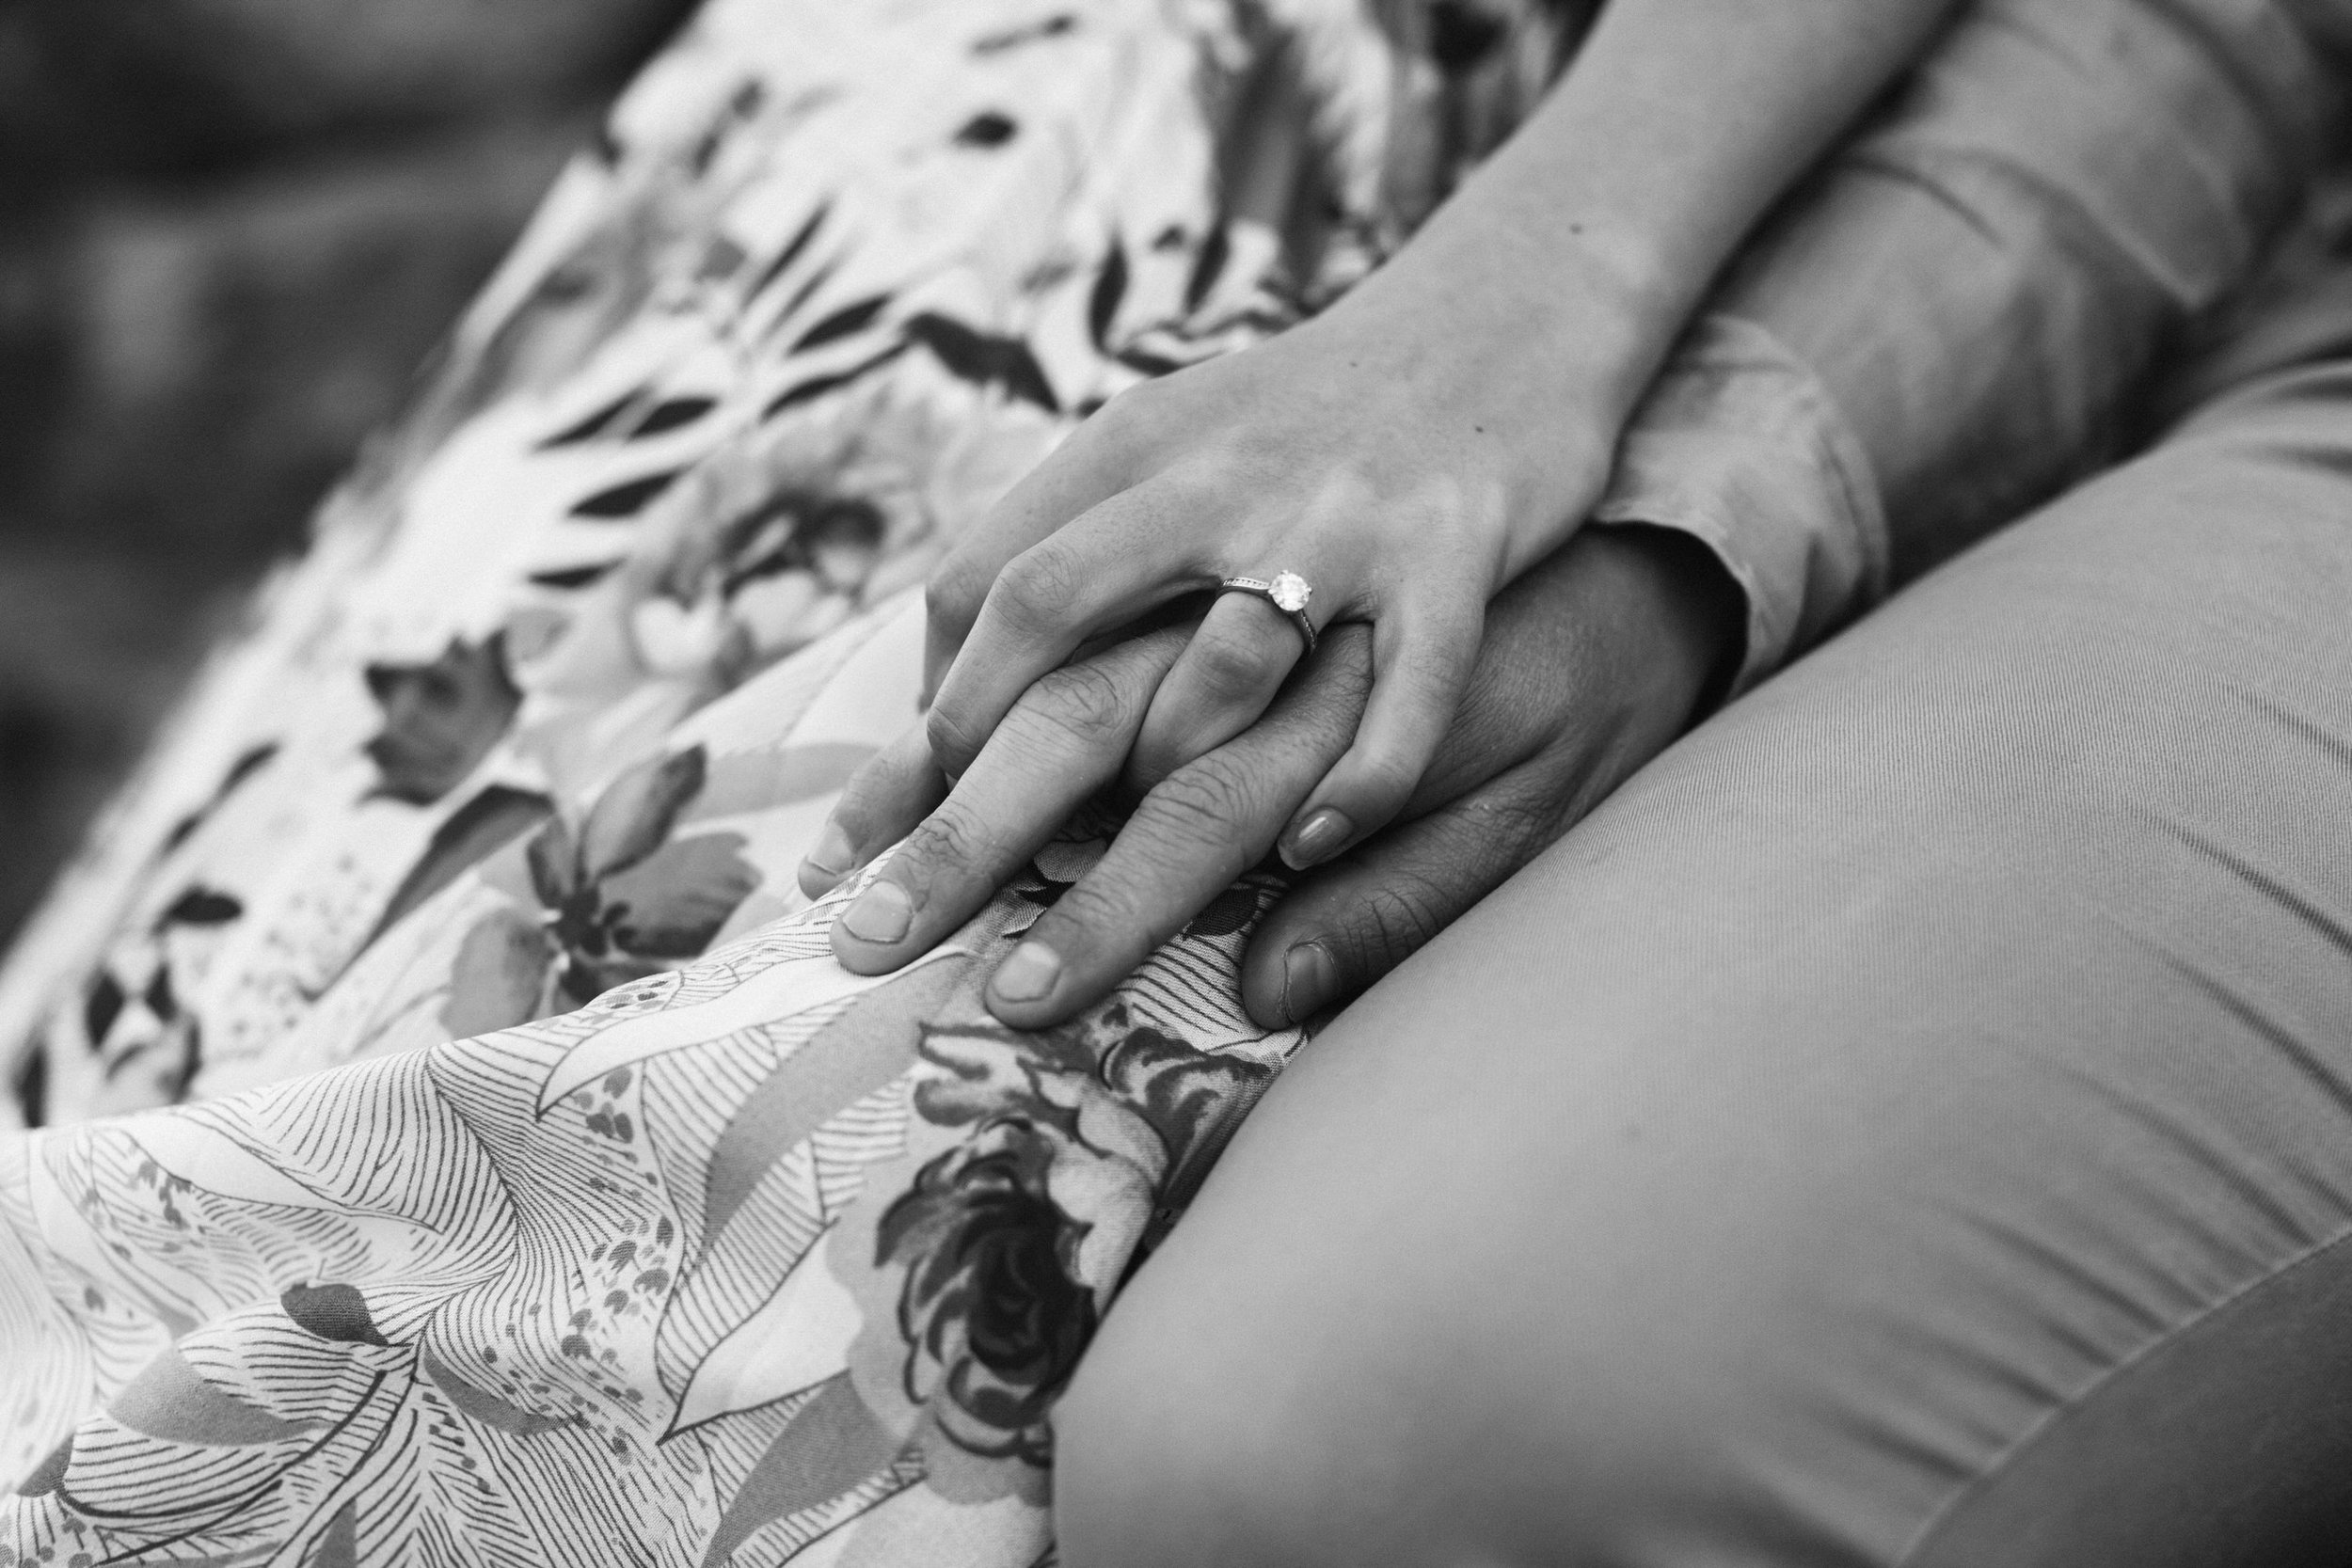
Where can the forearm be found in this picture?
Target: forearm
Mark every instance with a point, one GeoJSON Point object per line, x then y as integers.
{"type": "Point", "coordinates": [1983, 282]}
{"type": "Point", "coordinates": [1678, 124]}
{"type": "Point", "coordinates": [1951, 320]}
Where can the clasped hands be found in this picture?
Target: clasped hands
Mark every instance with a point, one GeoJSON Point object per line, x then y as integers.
{"type": "Point", "coordinates": [1479, 684]}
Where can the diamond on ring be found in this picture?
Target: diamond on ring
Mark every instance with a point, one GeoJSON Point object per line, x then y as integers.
{"type": "Point", "coordinates": [1286, 591]}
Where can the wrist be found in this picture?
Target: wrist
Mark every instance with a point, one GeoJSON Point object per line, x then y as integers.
{"type": "Point", "coordinates": [1692, 613]}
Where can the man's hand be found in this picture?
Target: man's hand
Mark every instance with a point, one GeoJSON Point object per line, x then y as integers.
{"type": "Point", "coordinates": [1592, 662]}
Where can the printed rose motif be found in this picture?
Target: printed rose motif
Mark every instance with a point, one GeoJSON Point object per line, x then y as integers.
{"type": "Point", "coordinates": [1083, 1143]}
{"type": "Point", "coordinates": [439, 718]}
{"type": "Point", "coordinates": [992, 1312]}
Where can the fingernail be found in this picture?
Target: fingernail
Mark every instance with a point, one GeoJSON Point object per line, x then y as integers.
{"type": "Point", "coordinates": [822, 868]}
{"type": "Point", "coordinates": [882, 913]}
{"type": "Point", "coordinates": [1028, 973]}
{"type": "Point", "coordinates": [1310, 980]}
{"type": "Point", "coordinates": [1318, 839]}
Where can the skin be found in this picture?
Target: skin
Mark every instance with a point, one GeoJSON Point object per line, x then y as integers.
{"type": "Point", "coordinates": [1590, 664]}
{"type": "Point", "coordinates": [1421, 446]}
{"type": "Point", "coordinates": [1433, 434]}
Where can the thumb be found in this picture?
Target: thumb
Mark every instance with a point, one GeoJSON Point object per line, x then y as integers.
{"type": "Point", "coordinates": [1346, 924]}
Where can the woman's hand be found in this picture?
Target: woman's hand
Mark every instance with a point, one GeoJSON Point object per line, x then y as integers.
{"type": "Point", "coordinates": [1591, 663]}
{"type": "Point", "coordinates": [1408, 452]}
{"type": "Point", "coordinates": [1436, 431]}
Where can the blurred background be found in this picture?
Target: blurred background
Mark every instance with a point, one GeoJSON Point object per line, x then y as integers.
{"type": "Point", "coordinates": [229, 232]}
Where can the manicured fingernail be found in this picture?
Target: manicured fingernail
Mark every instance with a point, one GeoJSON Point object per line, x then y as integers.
{"type": "Point", "coordinates": [1318, 839]}
{"type": "Point", "coordinates": [1310, 980]}
{"type": "Point", "coordinates": [882, 913]}
{"type": "Point", "coordinates": [822, 868]}
{"type": "Point", "coordinates": [1028, 973]}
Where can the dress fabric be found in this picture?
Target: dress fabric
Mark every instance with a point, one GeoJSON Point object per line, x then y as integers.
{"type": "Point", "coordinates": [521, 1181]}
{"type": "Point", "coordinates": [518, 1179]}
{"type": "Point", "coordinates": [1956, 1171]}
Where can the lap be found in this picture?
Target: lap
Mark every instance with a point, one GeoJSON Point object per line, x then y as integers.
{"type": "Point", "coordinates": [1910, 1122]}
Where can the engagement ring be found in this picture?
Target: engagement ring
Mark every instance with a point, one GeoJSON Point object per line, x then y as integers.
{"type": "Point", "coordinates": [1286, 591]}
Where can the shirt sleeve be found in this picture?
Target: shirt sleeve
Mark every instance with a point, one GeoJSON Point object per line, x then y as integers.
{"type": "Point", "coordinates": [1950, 320]}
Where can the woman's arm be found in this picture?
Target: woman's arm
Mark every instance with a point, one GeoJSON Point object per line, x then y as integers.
{"type": "Point", "coordinates": [1678, 124]}
{"type": "Point", "coordinates": [1954, 313]}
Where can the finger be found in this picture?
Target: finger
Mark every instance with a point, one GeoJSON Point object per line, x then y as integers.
{"type": "Point", "coordinates": [1423, 660]}
{"type": "Point", "coordinates": [1063, 741]}
{"type": "Point", "coordinates": [1101, 458]}
{"type": "Point", "coordinates": [1187, 841]}
{"type": "Point", "coordinates": [891, 791]}
{"type": "Point", "coordinates": [1353, 919]}
{"type": "Point", "coordinates": [1131, 553]}
{"type": "Point", "coordinates": [1236, 661]}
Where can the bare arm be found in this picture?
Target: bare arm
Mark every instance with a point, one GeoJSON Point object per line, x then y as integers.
{"type": "Point", "coordinates": [1678, 124]}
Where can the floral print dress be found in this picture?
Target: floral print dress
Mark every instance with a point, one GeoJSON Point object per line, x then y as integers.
{"type": "Point", "coordinates": [452, 1139]}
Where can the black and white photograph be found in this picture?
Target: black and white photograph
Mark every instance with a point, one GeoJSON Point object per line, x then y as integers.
{"type": "Point", "coordinates": [1175, 783]}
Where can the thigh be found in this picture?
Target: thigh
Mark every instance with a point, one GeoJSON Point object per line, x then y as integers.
{"type": "Point", "coordinates": [1908, 1123]}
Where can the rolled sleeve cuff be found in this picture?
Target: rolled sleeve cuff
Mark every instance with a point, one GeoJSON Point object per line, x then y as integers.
{"type": "Point", "coordinates": [1739, 445]}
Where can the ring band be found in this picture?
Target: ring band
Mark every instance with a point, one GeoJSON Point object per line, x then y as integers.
{"type": "Point", "coordinates": [1286, 591]}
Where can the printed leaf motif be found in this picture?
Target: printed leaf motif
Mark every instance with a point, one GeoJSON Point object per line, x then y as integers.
{"type": "Point", "coordinates": [243, 769]}
{"type": "Point", "coordinates": [553, 860]}
{"type": "Point", "coordinates": [985, 358]}
{"type": "Point", "coordinates": [791, 252]}
{"type": "Point", "coordinates": [339, 1543]}
{"type": "Point", "coordinates": [201, 906]}
{"type": "Point", "coordinates": [625, 501]}
{"type": "Point", "coordinates": [1217, 248]}
{"type": "Point", "coordinates": [492, 820]}
{"type": "Point", "coordinates": [485, 1406]}
{"type": "Point", "coordinates": [1110, 288]}
{"type": "Point", "coordinates": [1014, 38]}
{"type": "Point", "coordinates": [671, 904]}
{"type": "Point", "coordinates": [333, 1312]}
{"type": "Point", "coordinates": [189, 1147]}
{"type": "Point", "coordinates": [800, 1337]}
{"type": "Point", "coordinates": [671, 414]}
{"type": "Point", "coordinates": [847, 321]}
{"type": "Point", "coordinates": [172, 1401]}
{"type": "Point", "coordinates": [990, 128]}
{"type": "Point", "coordinates": [816, 387]}
{"type": "Point", "coordinates": [744, 781]}
{"type": "Point", "coordinates": [832, 1444]}
{"type": "Point", "coordinates": [499, 975]}
{"type": "Point", "coordinates": [576, 577]}
{"type": "Point", "coordinates": [868, 1045]}
{"type": "Point", "coordinates": [633, 815]}
{"type": "Point", "coordinates": [596, 423]}
{"type": "Point", "coordinates": [780, 992]}
{"type": "Point", "coordinates": [1226, 914]}
{"type": "Point", "coordinates": [49, 1474]}
{"type": "Point", "coordinates": [1148, 362]}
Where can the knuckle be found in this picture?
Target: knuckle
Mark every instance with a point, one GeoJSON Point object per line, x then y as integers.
{"type": "Point", "coordinates": [1205, 799]}
{"type": "Point", "coordinates": [1042, 584]}
{"type": "Point", "coordinates": [949, 838]}
{"type": "Point", "coordinates": [953, 741]}
{"type": "Point", "coordinates": [952, 594]}
{"type": "Point", "coordinates": [1084, 701]}
{"type": "Point", "coordinates": [1230, 668]}
{"type": "Point", "coordinates": [1096, 913]}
